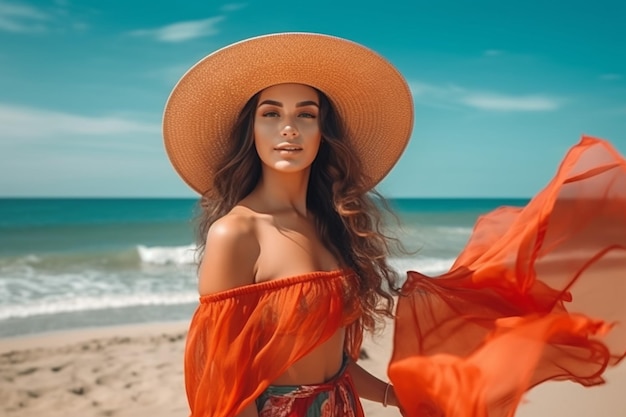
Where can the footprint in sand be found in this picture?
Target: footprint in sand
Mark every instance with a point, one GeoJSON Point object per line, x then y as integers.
{"type": "Point", "coordinates": [59, 367]}
{"type": "Point", "coordinates": [33, 394]}
{"type": "Point", "coordinates": [78, 390]}
{"type": "Point", "coordinates": [27, 371]}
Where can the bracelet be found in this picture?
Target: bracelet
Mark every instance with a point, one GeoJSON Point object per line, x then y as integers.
{"type": "Point", "coordinates": [386, 396]}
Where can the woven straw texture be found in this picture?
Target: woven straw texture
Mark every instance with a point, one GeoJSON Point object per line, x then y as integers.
{"type": "Point", "coordinates": [370, 95]}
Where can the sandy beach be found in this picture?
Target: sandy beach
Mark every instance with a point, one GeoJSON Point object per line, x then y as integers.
{"type": "Point", "coordinates": [137, 371]}
{"type": "Point", "coordinates": [116, 371]}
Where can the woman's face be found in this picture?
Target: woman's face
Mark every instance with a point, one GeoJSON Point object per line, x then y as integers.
{"type": "Point", "coordinates": [287, 134]}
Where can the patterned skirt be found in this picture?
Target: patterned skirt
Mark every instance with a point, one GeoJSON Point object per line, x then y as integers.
{"type": "Point", "coordinates": [334, 398]}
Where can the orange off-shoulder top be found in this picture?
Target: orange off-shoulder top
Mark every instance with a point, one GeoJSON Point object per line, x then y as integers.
{"type": "Point", "coordinates": [242, 339]}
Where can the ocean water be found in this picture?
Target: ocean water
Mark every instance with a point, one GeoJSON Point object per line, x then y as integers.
{"type": "Point", "coordinates": [69, 263]}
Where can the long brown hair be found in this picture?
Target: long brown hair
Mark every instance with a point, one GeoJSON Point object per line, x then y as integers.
{"type": "Point", "coordinates": [348, 216]}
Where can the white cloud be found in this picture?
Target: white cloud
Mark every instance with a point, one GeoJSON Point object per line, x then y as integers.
{"type": "Point", "coordinates": [26, 19]}
{"type": "Point", "coordinates": [449, 96]}
{"type": "Point", "coordinates": [30, 123]}
{"type": "Point", "coordinates": [182, 31]}
{"type": "Point", "coordinates": [231, 7]}
{"type": "Point", "coordinates": [21, 18]}
{"type": "Point", "coordinates": [417, 88]}
{"type": "Point", "coordinates": [611, 77]}
{"type": "Point", "coordinates": [445, 97]}
{"type": "Point", "coordinates": [500, 102]}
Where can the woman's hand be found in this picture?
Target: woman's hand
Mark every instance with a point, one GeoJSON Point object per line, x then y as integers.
{"type": "Point", "coordinates": [372, 388]}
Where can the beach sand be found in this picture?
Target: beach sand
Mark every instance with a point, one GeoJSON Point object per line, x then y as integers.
{"type": "Point", "coordinates": [137, 371]}
{"type": "Point", "coordinates": [117, 371]}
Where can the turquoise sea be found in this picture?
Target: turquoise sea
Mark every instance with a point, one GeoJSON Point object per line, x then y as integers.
{"type": "Point", "coordinates": [68, 263]}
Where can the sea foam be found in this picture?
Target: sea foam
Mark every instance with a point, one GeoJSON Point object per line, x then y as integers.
{"type": "Point", "coordinates": [164, 255]}
{"type": "Point", "coordinates": [84, 303]}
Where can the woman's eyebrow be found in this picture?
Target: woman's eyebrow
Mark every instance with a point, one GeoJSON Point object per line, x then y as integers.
{"type": "Point", "coordinates": [279, 104]}
{"type": "Point", "coordinates": [307, 103]}
{"type": "Point", "coordinates": [271, 102]}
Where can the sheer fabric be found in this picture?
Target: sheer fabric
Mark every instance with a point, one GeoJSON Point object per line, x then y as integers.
{"type": "Point", "coordinates": [240, 340]}
{"type": "Point", "coordinates": [537, 294]}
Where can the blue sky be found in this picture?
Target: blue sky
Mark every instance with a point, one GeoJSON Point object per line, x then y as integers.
{"type": "Point", "coordinates": [501, 89]}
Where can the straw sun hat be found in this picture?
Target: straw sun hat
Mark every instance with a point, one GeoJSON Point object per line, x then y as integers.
{"type": "Point", "coordinates": [369, 94]}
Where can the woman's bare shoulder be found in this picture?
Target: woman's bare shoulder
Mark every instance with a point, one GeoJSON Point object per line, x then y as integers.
{"type": "Point", "coordinates": [231, 251]}
{"type": "Point", "coordinates": [239, 223]}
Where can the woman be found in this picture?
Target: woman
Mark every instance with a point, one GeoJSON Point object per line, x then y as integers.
{"type": "Point", "coordinates": [285, 137]}
{"type": "Point", "coordinates": [288, 223]}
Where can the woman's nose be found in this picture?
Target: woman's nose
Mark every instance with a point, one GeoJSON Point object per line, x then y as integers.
{"type": "Point", "coordinates": [289, 131]}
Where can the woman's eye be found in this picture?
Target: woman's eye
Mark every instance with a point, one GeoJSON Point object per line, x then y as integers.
{"type": "Point", "coordinates": [308, 115]}
{"type": "Point", "coordinates": [270, 114]}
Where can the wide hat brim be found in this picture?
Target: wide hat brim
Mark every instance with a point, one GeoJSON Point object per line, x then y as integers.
{"type": "Point", "coordinates": [370, 95]}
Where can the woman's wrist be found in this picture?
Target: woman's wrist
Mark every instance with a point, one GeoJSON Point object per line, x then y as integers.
{"type": "Point", "coordinates": [389, 397]}
{"type": "Point", "coordinates": [386, 395]}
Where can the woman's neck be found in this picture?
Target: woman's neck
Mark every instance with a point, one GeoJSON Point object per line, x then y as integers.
{"type": "Point", "coordinates": [279, 192]}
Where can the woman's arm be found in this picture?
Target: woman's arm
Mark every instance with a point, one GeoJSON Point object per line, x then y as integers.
{"type": "Point", "coordinates": [370, 387]}
{"type": "Point", "coordinates": [228, 262]}
{"type": "Point", "coordinates": [230, 255]}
